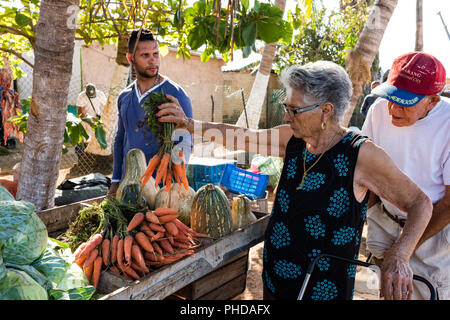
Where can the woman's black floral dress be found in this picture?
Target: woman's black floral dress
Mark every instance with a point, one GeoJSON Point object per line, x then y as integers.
{"type": "Point", "coordinates": [322, 217]}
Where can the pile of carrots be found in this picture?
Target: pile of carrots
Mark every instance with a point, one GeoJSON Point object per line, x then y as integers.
{"type": "Point", "coordinates": [154, 239]}
{"type": "Point", "coordinates": [166, 166]}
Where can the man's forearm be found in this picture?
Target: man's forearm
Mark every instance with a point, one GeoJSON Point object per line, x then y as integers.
{"type": "Point", "coordinates": [439, 219]}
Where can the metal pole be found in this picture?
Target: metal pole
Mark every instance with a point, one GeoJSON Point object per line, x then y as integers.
{"type": "Point", "coordinates": [445, 27]}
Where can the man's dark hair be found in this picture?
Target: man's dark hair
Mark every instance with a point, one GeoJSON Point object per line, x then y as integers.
{"type": "Point", "coordinates": [146, 35]}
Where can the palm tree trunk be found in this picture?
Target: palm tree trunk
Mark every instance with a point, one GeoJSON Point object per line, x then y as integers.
{"type": "Point", "coordinates": [419, 26]}
{"type": "Point", "coordinates": [109, 114]}
{"type": "Point", "coordinates": [258, 93]}
{"type": "Point", "coordinates": [359, 60]}
{"type": "Point", "coordinates": [45, 130]}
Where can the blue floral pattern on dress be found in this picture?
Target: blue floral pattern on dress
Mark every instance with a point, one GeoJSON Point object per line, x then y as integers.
{"type": "Point", "coordinates": [315, 226]}
{"type": "Point", "coordinates": [286, 269]}
{"type": "Point", "coordinates": [313, 181]}
{"type": "Point", "coordinates": [341, 163]}
{"type": "Point", "coordinates": [267, 282]}
{"type": "Point", "coordinates": [309, 156]}
{"type": "Point", "coordinates": [343, 236]}
{"type": "Point", "coordinates": [291, 168]}
{"type": "Point", "coordinates": [280, 235]}
{"type": "Point", "coordinates": [351, 271]}
{"type": "Point", "coordinates": [339, 203]}
{"type": "Point", "coordinates": [324, 263]}
{"type": "Point", "coordinates": [324, 290]}
{"type": "Point", "coordinates": [347, 138]}
{"type": "Point", "coordinates": [283, 200]}
{"type": "Point", "coordinates": [364, 212]}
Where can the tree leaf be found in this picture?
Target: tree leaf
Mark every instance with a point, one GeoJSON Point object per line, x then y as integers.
{"type": "Point", "coordinates": [22, 20]}
{"type": "Point", "coordinates": [100, 135]}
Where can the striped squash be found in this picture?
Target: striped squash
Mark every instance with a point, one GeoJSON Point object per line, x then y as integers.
{"type": "Point", "coordinates": [241, 212]}
{"type": "Point", "coordinates": [210, 212]}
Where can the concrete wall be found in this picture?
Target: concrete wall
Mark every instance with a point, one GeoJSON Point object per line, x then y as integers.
{"type": "Point", "coordinates": [200, 80]}
{"type": "Point", "coordinates": [233, 104]}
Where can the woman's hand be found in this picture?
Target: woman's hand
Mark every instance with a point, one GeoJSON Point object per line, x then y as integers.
{"type": "Point", "coordinates": [173, 112]}
{"type": "Point", "coordinates": [396, 278]}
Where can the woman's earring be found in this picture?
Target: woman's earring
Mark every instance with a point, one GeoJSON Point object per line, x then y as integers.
{"type": "Point", "coordinates": [323, 126]}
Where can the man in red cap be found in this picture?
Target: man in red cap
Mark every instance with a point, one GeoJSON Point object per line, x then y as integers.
{"type": "Point", "coordinates": [412, 124]}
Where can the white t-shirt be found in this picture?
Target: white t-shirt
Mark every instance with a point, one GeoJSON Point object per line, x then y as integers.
{"type": "Point", "coordinates": [421, 151]}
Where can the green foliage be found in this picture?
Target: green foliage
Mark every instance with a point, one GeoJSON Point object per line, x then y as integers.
{"type": "Point", "coordinates": [322, 35]}
{"type": "Point", "coordinates": [74, 132]}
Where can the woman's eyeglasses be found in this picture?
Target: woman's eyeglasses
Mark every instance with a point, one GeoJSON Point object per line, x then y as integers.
{"type": "Point", "coordinates": [294, 112]}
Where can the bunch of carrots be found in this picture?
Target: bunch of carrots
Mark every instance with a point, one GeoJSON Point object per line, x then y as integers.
{"type": "Point", "coordinates": [152, 239]}
{"type": "Point", "coordinates": [169, 162]}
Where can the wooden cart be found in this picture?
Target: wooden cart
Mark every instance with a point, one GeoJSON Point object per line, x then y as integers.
{"type": "Point", "coordinates": [217, 270]}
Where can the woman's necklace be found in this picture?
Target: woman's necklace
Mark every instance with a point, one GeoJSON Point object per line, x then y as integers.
{"type": "Point", "coordinates": [305, 171]}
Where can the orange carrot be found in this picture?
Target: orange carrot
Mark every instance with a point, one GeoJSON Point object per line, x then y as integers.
{"type": "Point", "coordinates": [167, 218]}
{"type": "Point", "coordinates": [156, 227]}
{"type": "Point", "coordinates": [162, 169]}
{"type": "Point", "coordinates": [150, 256]}
{"type": "Point", "coordinates": [181, 173]}
{"type": "Point", "coordinates": [165, 244]}
{"type": "Point", "coordinates": [157, 247]}
{"type": "Point", "coordinates": [163, 211]}
{"type": "Point", "coordinates": [135, 221]}
{"type": "Point", "coordinates": [176, 177]}
{"type": "Point", "coordinates": [97, 270]}
{"type": "Point", "coordinates": [157, 236]}
{"type": "Point", "coordinates": [137, 255]}
{"type": "Point", "coordinates": [168, 180]}
{"type": "Point", "coordinates": [80, 261]}
{"type": "Point", "coordinates": [91, 258]}
{"type": "Point", "coordinates": [144, 242]}
{"type": "Point", "coordinates": [127, 243]}
{"type": "Point", "coordinates": [143, 270]}
{"type": "Point", "coordinates": [77, 252]}
{"type": "Point", "coordinates": [150, 216]}
{"type": "Point", "coordinates": [106, 254]}
{"type": "Point", "coordinates": [152, 164]}
{"type": "Point", "coordinates": [88, 272]}
{"type": "Point", "coordinates": [146, 229]}
{"type": "Point", "coordinates": [114, 242]}
{"type": "Point", "coordinates": [171, 228]}
{"type": "Point", "coordinates": [181, 245]}
{"type": "Point", "coordinates": [115, 270]}
{"type": "Point", "coordinates": [130, 271]}
{"type": "Point", "coordinates": [120, 256]}
{"type": "Point", "coordinates": [94, 241]}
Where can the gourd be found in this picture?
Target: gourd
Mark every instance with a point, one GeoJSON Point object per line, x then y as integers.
{"type": "Point", "coordinates": [210, 212]}
{"type": "Point", "coordinates": [241, 212]}
{"type": "Point", "coordinates": [177, 198]}
{"type": "Point", "coordinates": [129, 191]}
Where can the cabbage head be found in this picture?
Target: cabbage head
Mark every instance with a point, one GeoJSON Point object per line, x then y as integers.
{"type": "Point", "coordinates": [22, 232]}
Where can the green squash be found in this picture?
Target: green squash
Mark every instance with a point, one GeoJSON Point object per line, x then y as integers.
{"type": "Point", "coordinates": [210, 212]}
{"type": "Point", "coordinates": [177, 198]}
{"type": "Point", "coordinates": [241, 212]}
{"type": "Point", "coordinates": [129, 191]}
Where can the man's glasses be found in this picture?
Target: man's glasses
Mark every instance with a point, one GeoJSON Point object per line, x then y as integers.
{"type": "Point", "coordinates": [294, 112]}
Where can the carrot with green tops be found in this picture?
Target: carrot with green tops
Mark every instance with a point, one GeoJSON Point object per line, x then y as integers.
{"type": "Point", "coordinates": [106, 254]}
{"type": "Point", "coordinates": [137, 255]}
{"type": "Point", "coordinates": [163, 211]}
{"type": "Point", "coordinates": [152, 164]}
{"type": "Point", "coordinates": [162, 169]}
{"type": "Point", "coordinates": [168, 180]}
{"type": "Point", "coordinates": [93, 241]}
{"type": "Point", "coordinates": [88, 272]}
{"type": "Point", "coordinates": [114, 242]}
{"type": "Point", "coordinates": [135, 221]}
{"type": "Point", "coordinates": [181, 173]}
{"type": "Point", "coordinates": [127, 243]}
{"type": "Point", "coordinates": [97, 270]}
{"type": "Point", "coordinates": [144, 242]}
{"type": "Point", "coordinates": [91, 258]}
{"type": "Point", "coordinates": [78, 251]}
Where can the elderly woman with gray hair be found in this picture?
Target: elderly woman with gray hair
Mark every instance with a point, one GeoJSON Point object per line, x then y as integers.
{"type": "Point", "coordinates": [322, 194]}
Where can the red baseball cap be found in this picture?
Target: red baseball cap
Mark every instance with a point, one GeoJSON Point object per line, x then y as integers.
{"type": "Point", "coordinates": [412, 76]}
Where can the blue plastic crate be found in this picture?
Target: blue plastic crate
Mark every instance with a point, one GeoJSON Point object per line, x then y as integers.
{"type": "Point", "coordinates": [206, 170]}
{"type": "Point", "coordinates": [252, 184]}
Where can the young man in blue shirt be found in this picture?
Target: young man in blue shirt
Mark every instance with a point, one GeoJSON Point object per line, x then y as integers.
{"type": "Point", "coordinates": [131, 133]}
